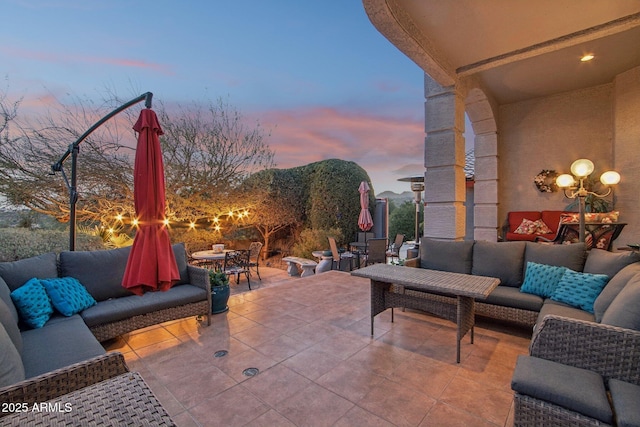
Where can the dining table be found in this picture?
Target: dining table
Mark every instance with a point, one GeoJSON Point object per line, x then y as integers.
{"type": "Point", "coordinates": [216, 258]}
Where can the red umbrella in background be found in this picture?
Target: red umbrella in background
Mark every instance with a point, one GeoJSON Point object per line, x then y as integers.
{"type": "Point", "coordinates": [365, 222]}
{"type": "Point", "coordinates": [151, 265]}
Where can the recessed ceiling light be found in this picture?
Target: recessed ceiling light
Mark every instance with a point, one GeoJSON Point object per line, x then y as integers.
{"type": "Point", "coordinates": [587, 57]}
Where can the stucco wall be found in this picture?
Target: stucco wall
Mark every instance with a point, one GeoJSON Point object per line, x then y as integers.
{"type": "Point", "coordinates": [550, 133]}
{"type": "Point", "coordinates": [626, 112]}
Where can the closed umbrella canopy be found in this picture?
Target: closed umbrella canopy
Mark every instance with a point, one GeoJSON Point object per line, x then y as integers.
{"type": "Point", "coordinates": [151, 265]}
{"type": "Point", "coordinates": [365, 222]}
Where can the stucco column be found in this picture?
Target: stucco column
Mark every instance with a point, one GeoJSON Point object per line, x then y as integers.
{"type": "Point", "coordinates": [444, 213]}
{"type": "Point", "coordinates": [485, 209]}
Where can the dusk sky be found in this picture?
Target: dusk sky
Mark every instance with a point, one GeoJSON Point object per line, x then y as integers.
{"type": "Point", "coordinates": [316, 74]}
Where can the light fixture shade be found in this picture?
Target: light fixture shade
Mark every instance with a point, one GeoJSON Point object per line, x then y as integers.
{"type": "Point", "coordinates": [610, 178]}
{"type": "Point", "coordinates": [582, 168]}
{"type": "Point", "coordinates": [565, 181]}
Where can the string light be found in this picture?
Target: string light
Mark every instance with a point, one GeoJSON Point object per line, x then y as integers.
{"type": "Point", "coordinates": [237, 216]}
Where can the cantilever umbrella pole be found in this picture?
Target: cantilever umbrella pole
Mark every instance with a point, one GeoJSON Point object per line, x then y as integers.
{"type": "Point", "coordinates": [73, 151]}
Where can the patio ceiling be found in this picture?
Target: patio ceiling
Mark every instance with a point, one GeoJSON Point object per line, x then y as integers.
{"type": "Point", "coordinates": [516, 50]}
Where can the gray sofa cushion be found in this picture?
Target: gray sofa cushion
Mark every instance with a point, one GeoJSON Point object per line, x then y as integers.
{"type": "Point", "coordinates": [63, 341]}
{"type": "Point", "coordinates": [600, 261]}
{"type": "Point", "coordinates": [560, 309]}
{"type": "Point", "coordinates": [613, 288]}
{"type": "Point", "coordinates": [570, 256]}
{"type": "Point", "coordinates": [512, 297]}
{"type": "Point", "coordinates": [624, 310]}
{"type": "Point", "coordinates": [625, 398]}
{"type": "Point", "coordinates": [453, 256]}
{"type": "Point", "coordinates": [573, 388]}
{"type": "Point", "coordinates": [503, 260]}
{"type": "Point", "coordinates": [11, 367]}
{"type": "Point", "coordinates": [100, 272]}
{"type": "Point", "coordinates": [5, 295]}
{"type": "Point", "coordinates": [123, 308]}
{"type": "Point", "coordinates": [10, 325]}
{"type": "Point", "coordinates": [16, 273]}
{"type": "Point", "coordinates": [180, 253]}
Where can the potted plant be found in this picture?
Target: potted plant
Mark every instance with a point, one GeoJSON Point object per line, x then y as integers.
{"type": "Point", "coordinates": [220, 291]}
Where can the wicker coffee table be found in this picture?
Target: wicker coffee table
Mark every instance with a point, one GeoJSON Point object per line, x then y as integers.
{"type": "Point", "coordinates": [125, 400]}
{"type": "Point", "coordinates": [427, 290]}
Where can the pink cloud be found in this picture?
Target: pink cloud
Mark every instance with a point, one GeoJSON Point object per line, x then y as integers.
{"type": "Point", "coordinates": [63, 58]}
{"type": "Point", "coordinates": [384, 146]}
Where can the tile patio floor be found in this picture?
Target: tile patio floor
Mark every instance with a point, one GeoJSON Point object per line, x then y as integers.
{"type": "Point", "coordinates": [318, 365]}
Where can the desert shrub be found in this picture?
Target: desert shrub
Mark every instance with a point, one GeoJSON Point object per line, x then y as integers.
{"type": "Point", "coordinates": [314, 240]}
{"type": "Point", "coordinates": [19, 243]}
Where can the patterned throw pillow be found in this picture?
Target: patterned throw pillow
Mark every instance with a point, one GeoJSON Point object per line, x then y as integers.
{"type": "Point", "coordinates": [579, 290]}
{"type": "Point", "coordinates": [542, 279]}
{"type": "Point", "coordinates": [526, 227]}
{"type": "Point", "coordinates": [542, 228]}
{"type": "Point", "coordinates": [32, 303]}
{"type": "Point", "coordinates": [67, 294]}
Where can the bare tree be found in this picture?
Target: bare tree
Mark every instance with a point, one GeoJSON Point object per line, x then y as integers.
{"type": "Point", "coordinates": [207, 151]}
{"type": "Point", "coordinates": [34, 144]}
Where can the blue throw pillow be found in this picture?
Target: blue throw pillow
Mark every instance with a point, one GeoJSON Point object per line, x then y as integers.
{"type": "Point", "coordinates": [32, 303]}
{"type": "Point", "coordinates": [580, 290]}
{"type": "Point", "coordinates": [67, 294]}
{"type": "Point", "coordinates": [541, 279]}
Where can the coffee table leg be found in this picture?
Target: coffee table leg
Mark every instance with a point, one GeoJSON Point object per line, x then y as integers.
{"type": "Point", "coordinates": [465, 320]}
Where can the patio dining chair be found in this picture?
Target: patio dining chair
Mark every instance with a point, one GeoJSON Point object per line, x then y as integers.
{"type": "Point", "coordinates": [376, 251]}
{"type": "Point", "coordinates": [254, 257]}
{"type": "Point", "coordinates": [339, 256]}
{"type": "Point", "coordinates": [394, 250]}
{"type": "Point", "coordinates": [237, 263]}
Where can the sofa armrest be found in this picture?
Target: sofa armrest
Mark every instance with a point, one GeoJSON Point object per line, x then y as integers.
{"type": "Point", "coordinates": [199, 277]}
{"type": "Point", "coordinates": [64, 380]}
{"type": "Point", "coordinates": [611, 351]}
{"type": "Point", "coordinates": [412, 262]}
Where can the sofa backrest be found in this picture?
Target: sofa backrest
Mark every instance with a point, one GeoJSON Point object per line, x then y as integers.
{"type": "Point", "coordinates": [624, 310]}
{"type": "Point", "coordinates": [446, 255]}
{"type": "Point", "coordinates": [17, 273]}
{"type": "Point", "coordinates": [503, 260]}
{"type": "Point", "coordinates": [613, 288]}
{"type": "Point", "coordinates": [571, 256]}
{"type": "Point", "coordinates": [100, 272]}
{"type": "Point", "coordinates": [180, 252]}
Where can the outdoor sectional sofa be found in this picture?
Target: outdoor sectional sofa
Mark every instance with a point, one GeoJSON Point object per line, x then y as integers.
{"type": "Point", "coordinates": [66, 351]}
{"type": "Point", "coordinates": [584, 352]}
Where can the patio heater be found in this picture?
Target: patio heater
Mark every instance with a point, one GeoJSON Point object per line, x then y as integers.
{"type": "Point", "coordinates": [73, 152]}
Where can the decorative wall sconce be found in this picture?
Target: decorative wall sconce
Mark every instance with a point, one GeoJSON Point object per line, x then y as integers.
{"type": "Point", "coordinates": [573, 186]}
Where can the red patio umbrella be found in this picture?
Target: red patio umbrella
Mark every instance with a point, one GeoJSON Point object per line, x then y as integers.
{"type": "Point", "coordinates": [151, 265]}
{"type": "Point", "coordinates": [365, 222]}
